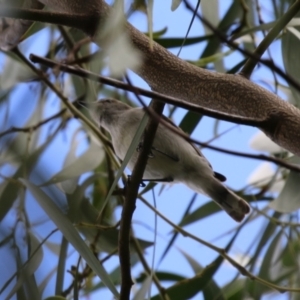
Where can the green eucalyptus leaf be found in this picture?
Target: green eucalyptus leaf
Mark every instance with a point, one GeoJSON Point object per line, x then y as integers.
{"type": "Point", "coordinates": [141, 293]}
{"type": "Point", "coordinates": [15, 72]}
{"type": "Point", "coordinates": [175, 4]}
{"type": "Point", "coordinates": [265, 234]}
{"type": "Point", "coordinates": [10, 189]}
{"type": "Point", "coordinates": [162, 276]}
{"type": "Point", "coordinates": [177, 42]}
{"type": "Point", "coordinates": [289, 198]}
{"type": "Point", "coordinates": [234, 11]}
{"type": "Point", "coordinates": [190, 121]}
{"type": "Point", "coordinates": [289, 45]}
{"type": "Point", "coordinates": [103, 237]}
{"type": "Point", "coordinates": [115, 275]}
{"type": "Point", "coordinates": [56, 298]}
{"type": "Point", "coordinates": [76, 166]}
{"type": "Point", "coordinates": [211, 290]}
{"type": "Point", "coordinates": [25, 273]}
{"type": "Point", "coordinates": [187, 288]}
{"type": "Point", "coordinates": [70, 233]}
{"type": "Point", "coordinates": [60, 274]}
{"type": "Point", "coordinates": [235, 290]}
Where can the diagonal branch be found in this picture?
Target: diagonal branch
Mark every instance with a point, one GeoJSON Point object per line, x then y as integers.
{"type": "Point", "coordinates": [151, 94]}
{"type": "Point", "coordinates": [254, 58]}
{"type": "Point", "coordinates": [14, 129]}
{"type": "Point", "coordinates": [81, 21]}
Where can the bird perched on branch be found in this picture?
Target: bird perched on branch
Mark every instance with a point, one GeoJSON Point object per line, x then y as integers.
{"type": "Point", "coordinates": [172, 158]}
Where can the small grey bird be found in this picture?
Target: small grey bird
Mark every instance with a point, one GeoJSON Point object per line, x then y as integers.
{"type": "Point", "coordinates": [172, 158]}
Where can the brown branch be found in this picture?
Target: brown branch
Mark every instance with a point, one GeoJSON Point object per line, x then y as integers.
{"type": "Point", "coordinates": [129, 204]}
{"type": "Point", "coordinates": [11, 35]}
{"type": "Point", "coordinates": [231, 94]}
{"type": "Point", "coordinates": [33, 127]}
{"type": "Point", "coordinates": [91, 22]}
{"type": "Point", "coordinates": [87, 23]}
{"type": "Point", "coordinates": [150, 94]}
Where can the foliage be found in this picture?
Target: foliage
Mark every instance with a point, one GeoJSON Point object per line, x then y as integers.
{"type": "Point", "coordinates": [58, 232]}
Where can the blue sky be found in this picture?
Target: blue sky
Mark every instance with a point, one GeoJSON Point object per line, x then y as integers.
{"type": "Point", "coordinates": [173, 200]}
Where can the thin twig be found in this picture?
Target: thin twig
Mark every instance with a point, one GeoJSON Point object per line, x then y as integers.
{"type": "Point", "coordinates": [221, 252]}
{"type": "Point", "coordinates": [247, 53]}
{"type": "Point", "coordinates": [162, 291]}
{"type": "Point", "coordinates": [33, 127]}
{"type": "Point", "coordinates": [270, 37]}
{"type": "Point", "coordinates": [89, 23]}
{"type": "Point", "coordinates": [150, 94]}
{"type": "Point", "coordinates": [277, 161]}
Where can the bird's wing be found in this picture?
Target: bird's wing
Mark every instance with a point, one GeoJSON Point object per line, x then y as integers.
{"type": "Point", "coordinates": [217, 175]}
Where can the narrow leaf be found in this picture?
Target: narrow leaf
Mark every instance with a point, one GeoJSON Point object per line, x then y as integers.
{"type": "Point", "coordinates": [175, 4]}
{"type": "Point", "coordinates": [70, 233]}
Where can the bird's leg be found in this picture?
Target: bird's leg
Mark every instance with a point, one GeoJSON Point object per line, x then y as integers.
{"type": "Point", "coordinates": [142, 183]}
{"type": "Point", "coordinates": [139, 148]}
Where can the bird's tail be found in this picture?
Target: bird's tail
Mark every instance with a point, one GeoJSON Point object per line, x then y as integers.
{"type": "Point", "coordinates": [235, 206]}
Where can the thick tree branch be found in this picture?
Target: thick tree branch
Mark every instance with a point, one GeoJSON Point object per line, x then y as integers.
{"type": "Point", "coordinates": [140, 91]}
{"type": "Point", "coordinates": [87, 23]}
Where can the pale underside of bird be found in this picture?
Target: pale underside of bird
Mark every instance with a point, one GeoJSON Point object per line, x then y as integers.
{"type": "Point", "coordinates": [172, 158]}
